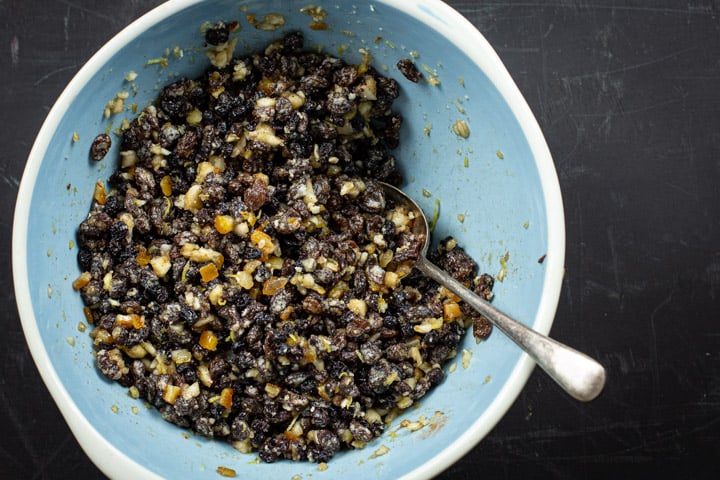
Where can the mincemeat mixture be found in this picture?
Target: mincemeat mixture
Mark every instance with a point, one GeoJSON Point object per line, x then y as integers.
{"type": "Point", "coordinates": [244, 272]}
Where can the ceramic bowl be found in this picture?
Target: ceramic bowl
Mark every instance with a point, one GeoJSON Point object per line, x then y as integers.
{"type": "Point", "coordinates": [497, 193]}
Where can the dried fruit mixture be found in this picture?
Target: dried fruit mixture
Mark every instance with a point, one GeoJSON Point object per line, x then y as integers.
{"type": "Point", "coordinates": [244, 272]}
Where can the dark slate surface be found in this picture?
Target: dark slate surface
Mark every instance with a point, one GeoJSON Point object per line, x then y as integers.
{"type": "Point", "coordinates": [627, 95]}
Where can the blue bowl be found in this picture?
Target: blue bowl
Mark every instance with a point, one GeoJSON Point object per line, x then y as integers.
{"type": "Point", "coordinates": [500, 181]}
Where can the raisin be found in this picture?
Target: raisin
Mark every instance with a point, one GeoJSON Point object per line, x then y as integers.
{"type": "Point", "coordinates": [482, 328]}
{"type": "Point", "coordinates": [217, 34]}
{"type": "Point", "coordinates": [100, 147]}
{"type": "Point", "coordinates": [293, 42]}
{"type": "Point", "coordinates": [409, 70]}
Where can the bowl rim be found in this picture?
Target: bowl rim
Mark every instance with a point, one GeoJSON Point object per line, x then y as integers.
{"type": "Point", "coordinates": [460, 31]}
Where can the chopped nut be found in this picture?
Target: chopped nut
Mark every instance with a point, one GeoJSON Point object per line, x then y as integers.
{"type": "Point", "coordinates": [203, 373]}
{"type": "Point", "coordinates": [181, 356]}
{"type": "Point", "coordinates": [357, 306]}
{"type": "Point", "coordinates": [272, 390]}
{"type": "Point", "coordinates": [461, 129]}
{"type": "Point", "coordinates": [136, 351]}
{"type": "Point", "coordinates": [162, 61]}
{"type": "Point", "coordinates": [502, 274]}
{"type": "Point", "coordinates": [220, 55]}
{"type": "Point", "coordinates": [352, 188]}
{"type": "Point", "coordinates": [201, 254]}
{"type": "Point", "coordinates": [385, 257]}
{"type": "Point", "coordinates": [404, 402]}
{"type": "Point", "coordinates": [271, 21]}
{"type": "Point", "coordinates": [264, 133]}
{"type": "Point", "coordinates": [243, 279]}
{"type": "Point", "coordinates": [240, 71]}
{"type": "Point", "coordinates": [392, 279]}
{"type": "Point", "coordinates": [194, 117]}
{"type": "Point", "coordinates": [297, 99]}
{"type": "Point", "coordinates": [466, 355]}
{"type": "Point", "coordinates": [191, 199]}
{"type": "Point", "coordinates": [160, 265]}
{"type": "Point", "coordinates": [429, 324]}
{"type": "Point", "coordinates": [368, 89]}
{"type": "Point", "coordinates": [381, 450]}
{"type": "Point", "coordinates": [192, 390]}
{"type": "Point", "coordinates": [215, 295]}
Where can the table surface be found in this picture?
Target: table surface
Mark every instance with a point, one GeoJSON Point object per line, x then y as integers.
{"type": "Point", "coordinates": [626, 93]}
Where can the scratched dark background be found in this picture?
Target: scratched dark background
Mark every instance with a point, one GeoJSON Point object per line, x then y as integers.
{"type": "Point", "coordinates": [627, 95]}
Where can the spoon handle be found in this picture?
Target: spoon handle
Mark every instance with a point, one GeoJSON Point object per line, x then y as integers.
{"type": "Point", "coordinates": [579, 375]}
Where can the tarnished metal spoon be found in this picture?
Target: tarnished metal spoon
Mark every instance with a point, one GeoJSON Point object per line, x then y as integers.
{"type": "Point", "coordinates": [579, 375]}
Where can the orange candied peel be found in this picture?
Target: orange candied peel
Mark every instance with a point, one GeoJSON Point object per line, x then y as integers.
{"type": "Point", "coordinates": [209, 272]}
{"type": "Point", "coordinates": [451, 310]}
{"type": "Point", "coordinates": [171, 393]}
{"type": "Point", "coordinates": [273, 284]}
{"type": "Point", "coordinates": [263, 242]}
{"type": "Point", "coordinates": [226, 397]}
{"type": "Point", "coordinates": [131, 320]}
{"type": "Point", "coordinates": [226, 472]}
{"type": "Point", "coordinates": [82, 280]}
{"type": "Point", "coordinates": [142, 256]}
{"type": "Point", "coordinates": [208, 340]}
{"type": "Point", "coordinates": [88, 315]}
{"type": "Point", "coordinates": [224, 224]}
{"type": "Point", "coordinates": [166, 185]}
{"type": "Point", "coordinates": [100, 194]}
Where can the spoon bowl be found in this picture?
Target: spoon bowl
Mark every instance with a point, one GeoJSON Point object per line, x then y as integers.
{"type": "Point", "coordinates": [578, 374]}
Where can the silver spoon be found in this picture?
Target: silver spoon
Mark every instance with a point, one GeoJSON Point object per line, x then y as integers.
{"type": "Point", "coordinates": [579, 375]}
